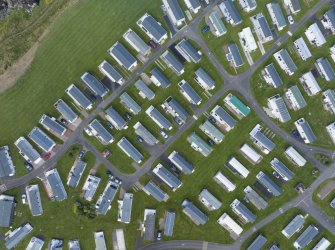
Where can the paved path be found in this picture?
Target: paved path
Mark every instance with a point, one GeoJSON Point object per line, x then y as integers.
{"type": "Point", "coordinates": [76, 136]}
{"type": "Point", "coordinates": [241, 84]}
{"type": "Point", "coordinates": [303, 202]}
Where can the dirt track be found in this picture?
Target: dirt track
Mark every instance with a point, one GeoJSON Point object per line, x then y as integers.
{"type": "Point", "coordinates": [14, 72]}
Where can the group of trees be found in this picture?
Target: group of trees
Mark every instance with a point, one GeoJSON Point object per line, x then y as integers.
{"type": "Point", "coordinates": [87, 209]}
{"type": "Point", "coordinates": [324, 159]}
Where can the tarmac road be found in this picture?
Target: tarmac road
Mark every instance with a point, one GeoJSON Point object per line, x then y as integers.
{"type": "Point", "coordinates": [239, 83]}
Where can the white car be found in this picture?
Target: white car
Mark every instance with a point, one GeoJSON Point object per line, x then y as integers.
{"type": "Point", "coordinates": [165, 136]}
{"type": "Point", "coordinates": [290, 20]}
{"type": "Point", "coordinates": [88, 131]}
{"type": "Point", "coordinates": [24, 199]}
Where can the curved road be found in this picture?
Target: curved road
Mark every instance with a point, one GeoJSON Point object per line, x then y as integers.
{"type": "Point", "coordinates": [239, 83]}
{"type": "Point", "coordinates": [303, 202]}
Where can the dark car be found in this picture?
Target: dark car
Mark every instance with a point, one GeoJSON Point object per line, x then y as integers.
{"type": "Point", "coordinates": [81, 154]}
{"type": "Point", "coordinates": [205, 29]}
{"type": "Point", "coordinates": [296, 134]}
{"type": "Point", "coordinates": [212, 119]}
{"type": "Point", "coordinates": [93, 98]}
{"type": "Point", "coordinates": [28, 166]}
{"type": "Point", "coordinates": [211, 142]}
{"type": "Point", "coordinates": [110, 125]}
{"type": "Point", "coordinates": [174, 168]}
{"type": "Point", "coordinates": [64, 122]}
{"type": "Point", "coordinates": [139, 138]}
{"type": "Point", "coordinates": [128, 116]}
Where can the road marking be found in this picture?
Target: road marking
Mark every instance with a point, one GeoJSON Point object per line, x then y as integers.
{"type": "Point", "coordinates": [281, 210]}
{"type": "Point", "coordinates": [205, 245]}
{"type": "Point", "coordinates": [297, 204]}
{"type": "Point", "coordinates": [278, 43]}
{"type": "Point", "coordinates": [289, 33]}
{"type": "Point", "coordinates": [305, 203]}
{"type": "Point", "coordinates": [196, 118]}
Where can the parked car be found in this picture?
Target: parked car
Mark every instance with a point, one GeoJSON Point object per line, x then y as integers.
{"type": "Point", "coordinates": [47, 156]}
{"type": "Point", "coordinates": [139, 139]}
{"type": "Point", "coordinates": [174, 169]}
{"type": "Point", "coordinates": [81, 154]}
{"type": "Point", "coordinates": [88, 131]}
{"type": "Point", "coordinates": [178, 121]}
{"type": "Point", "coordinates": [276, 175]}
{"type": "Point", "coordinates": [159, 235]}
{"type": "Point", "coordinates": [205, 29]}
{"type": "Point", "coordinates": [64, 122]}
{"type": "Point", "coordinates": [315, 171]}
{"type": "Point", "coordinates": [290, 19]}
{"type": "Point", "coordinates": [110, 125]}
{"type": "Point", "coordinates": [300, 188]}
{"type": "Point", "coordinates": [128, 116]}
{"type": "Point", "coordinates": [109, 174]}
{"type": "Point", "coordinates": [164, 107]}
{"type": "Point", "coordinates": [106, 153]}
{"type": "Point", "coordinates": [211, 142]}
{"type": "Point", "coordinates": [296, 134]}
{"type": "Point", "coordinates": [246, 199]}
{"type": "Point", "coordinates": [28, 166]}
{"type": "Point", "coordinates": [212, 119]}
{"type": "Point", "coordinates": [152, 44]}
{"type": "Point", "coordinates": [93, 98]}
{"type": "Point", "coordinates": [162, 133]}
{"type": "Point", "coordinates": [117, 181]}
{"type": "Point", "coordinates": [24, 199]}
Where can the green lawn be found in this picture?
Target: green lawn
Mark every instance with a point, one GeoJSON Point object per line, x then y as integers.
{"type": "Point", "coordinates": [205, 169]}
{"type": "Point", "coordinates": [273, 233]}
{"type": "Point", "coordinates": [325, 203]}
{"type": "Point", "coordinates": [119, 159]}
{"type": "Point", "coordinates": [314, 112]}
{"type": "Point", "coordinates": [217, 44]}
{"type": "Point", "coordinates": [61, 220]}
{"type": "Point", "coordinates": [20, 30]}
{"type": "Point", "coordinates": [77, 42]}
{"type": "Point", "coordinates": [64, 224]}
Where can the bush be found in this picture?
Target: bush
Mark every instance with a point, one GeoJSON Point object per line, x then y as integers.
{"type": "Point", "coordinates": [323, 159]}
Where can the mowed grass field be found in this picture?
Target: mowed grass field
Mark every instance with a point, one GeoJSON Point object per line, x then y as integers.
{"type": "Point", "coordinates": [207, 167]}
{"type": "Point", "coordinates": [272, 231]}
{"type": "Point", "coordinates": [119, 158]}
{"type": "Point", "coordinates": [63, 223]}
{"type": "Point", "coordinates": [217, 44]}
{"type": "Point", "coordinates": [59, 219]}
{"type": "Point", "coordinates": [314, 112]}
{"type": "Point", "coordinates": [76, 43]}
{"type": "Point", "coordinates": [325, 202]}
